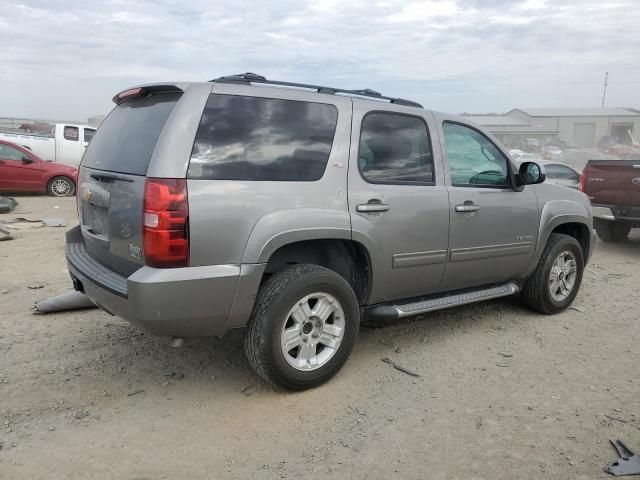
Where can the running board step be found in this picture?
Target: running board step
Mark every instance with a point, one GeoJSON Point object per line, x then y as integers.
{"type": "Point", "coordinates": [394, 310]}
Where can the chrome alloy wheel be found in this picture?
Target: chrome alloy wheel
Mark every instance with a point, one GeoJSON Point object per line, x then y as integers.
{"type": "Point", "coordinates": [312, 331]}
{"type": "Point", "coordinates": [61, 187]}
{"type": "Point", "coordinates": [562, 278]}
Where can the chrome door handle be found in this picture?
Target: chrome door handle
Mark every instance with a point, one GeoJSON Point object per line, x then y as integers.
{"type": "Point", "coordinates": [372, 207]}
{"type": "Point", "coordinates": [467, 207]}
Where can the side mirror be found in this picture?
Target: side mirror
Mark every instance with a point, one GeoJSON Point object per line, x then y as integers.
{"type": "Point", "coordinates": [531, 173]}
{"type": "Point", "coordinates": [26, 159]}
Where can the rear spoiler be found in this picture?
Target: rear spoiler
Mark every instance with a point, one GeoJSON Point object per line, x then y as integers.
{"type": "Point", "coordinates": [143, 91]}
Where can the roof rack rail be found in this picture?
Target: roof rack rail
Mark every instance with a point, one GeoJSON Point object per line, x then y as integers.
{"type": "Point", "coordinates": [248, 78]}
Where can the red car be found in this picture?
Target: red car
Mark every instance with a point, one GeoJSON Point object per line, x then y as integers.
{"type": "Point", "coordinates": [23, 171]}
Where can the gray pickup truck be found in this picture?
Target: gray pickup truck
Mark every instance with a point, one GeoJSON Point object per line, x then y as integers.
{"type": "Point", "coordinates": [294, 211]}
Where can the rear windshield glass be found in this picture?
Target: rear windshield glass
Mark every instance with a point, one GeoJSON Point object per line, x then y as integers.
{"type": "Point", "coordinates": [125, 141]}
{"type": "Point", "coordinates": [253, 138]}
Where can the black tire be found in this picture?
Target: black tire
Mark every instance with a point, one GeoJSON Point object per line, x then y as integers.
{"type": "Point", "coordinates": [275, 299]}
{"type": "Point", "coordinates": [536, 293]}
{"type": "Point", "coordinates": [609, 231]}
{"type": "Point", "coordinates": [55, 182]}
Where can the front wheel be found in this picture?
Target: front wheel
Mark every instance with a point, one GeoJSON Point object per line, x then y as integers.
{"type": "Point", "coordinates": [557, 278]}
{"type": "Point", "coordinates": [61, 187]}
{"type": "Point", "coordinates": [303, 327]}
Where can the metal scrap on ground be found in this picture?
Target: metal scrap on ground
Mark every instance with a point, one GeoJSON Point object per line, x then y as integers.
{"type": "Point", "coordinates": [399, 367]}
{"type": "Point", "coordinates": [5, 235]}
{"type": "Point", "coordinates": [628, 462]}
{"type": "Point", "coordinates": [71, 300]}
{"type": "Point", "coordinates": [7, 204]}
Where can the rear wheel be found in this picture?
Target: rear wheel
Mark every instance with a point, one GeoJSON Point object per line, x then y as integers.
{"type": "Point", "coordinates": [557, 278]}
{"type": "Point", "coordinates": [303, 327]}
{"type": "Point", "coordinates": [609, 231]}
{"type": "Point", "coordinates": [61, 187]}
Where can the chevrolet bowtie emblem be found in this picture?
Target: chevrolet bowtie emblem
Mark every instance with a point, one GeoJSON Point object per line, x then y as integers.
{"type": "Point", "coordinates": [87, 195]}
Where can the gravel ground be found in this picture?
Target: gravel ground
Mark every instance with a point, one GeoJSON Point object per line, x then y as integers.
{"type": "Point", "coordinates": [503, 393]}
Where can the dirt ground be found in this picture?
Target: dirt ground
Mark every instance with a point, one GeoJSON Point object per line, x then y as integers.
{"type": "Point", "coordinates": [503, 394]}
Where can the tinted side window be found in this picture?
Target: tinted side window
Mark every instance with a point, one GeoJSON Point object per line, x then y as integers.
{"type": "Point", "coordinates": [88, 134]}
{"type": "Point", "coordinates": [71, 133]}
{"type": "Point", "coordinates": [252, 138]}
{"type": "Point", "coordinates": [11, 153]}
{"type": "Point", "coordinates": [473, 159]}
{"type": "Point", "coordinates": [395, 149]}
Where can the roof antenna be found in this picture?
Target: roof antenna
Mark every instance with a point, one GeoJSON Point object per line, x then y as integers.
{"type": "Point", "coordinates": [604, 91]}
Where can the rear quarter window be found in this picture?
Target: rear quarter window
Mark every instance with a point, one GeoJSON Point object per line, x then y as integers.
{"type": "Point", "coordinates": [262, 139]}
{"type": "Point", "coordinates": [127, 138]}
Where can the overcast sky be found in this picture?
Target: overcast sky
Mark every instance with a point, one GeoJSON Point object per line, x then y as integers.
{"type": "Point", "coordinates": [65, 60]}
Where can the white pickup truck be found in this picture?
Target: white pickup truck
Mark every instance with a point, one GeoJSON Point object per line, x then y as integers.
{"type": "Point", "coordinates": [66, 144]}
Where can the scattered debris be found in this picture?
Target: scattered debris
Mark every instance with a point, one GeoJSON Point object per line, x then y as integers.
{"type": "Point", "coordinates": [505, 355]}
{"type": "Point", "coordinates": [35, 286]}
{"type": "Point", "coordinates": [248, 390]}
{"type": "Point", "coordinates": [7, 204]}
{"type": "Point", "coordinates": [21, 223]}
{"type": "Point", "coordinates": [628, 462]}
{"type": "Point", "coordinates": [577, 309]}
{"type": "Point", "coordinates": [176, 342]}
{"type": "Point", "coordinates": [55, 222]}
{"type": "Point", "coordinates": [174, 375]}
{"type": "Point", "coordinates": [399, 367]}
{"type": "Point", "coordinates": [502, 365]}
{"type": "Point", "coordinates": [70, 300]}
{"type": "Point", "coordinates": [5, 235]}
{"type": "Point", "coordinates": [136, 392]}
{"type": "Point", "coordinates": [479, 422]}
{"type": "Point", "coordinates": [616, 419]}
{"type": "Point", "coordinates": [80, 414]}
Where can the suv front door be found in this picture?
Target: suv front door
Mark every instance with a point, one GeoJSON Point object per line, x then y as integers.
{"type": "Point", "coordinates": [18, 169]}
{"type": "Point", "coordinates": [494, 227]}
{"type": "Point", "coordinates": [397, 199]}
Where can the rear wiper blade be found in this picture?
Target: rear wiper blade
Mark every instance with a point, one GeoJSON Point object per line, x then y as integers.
{"type": "Point", "coordinates": [109, 177]}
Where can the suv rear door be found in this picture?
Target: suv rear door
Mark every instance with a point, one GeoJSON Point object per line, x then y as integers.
{"type": "Point", "coordinates": [111, 181]}
{"type": "Point", "coordinates": [397, 198]}
{"type": "Point", "coordinates": [494, 227]}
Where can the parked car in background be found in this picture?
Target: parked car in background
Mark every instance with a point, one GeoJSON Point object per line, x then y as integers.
{"type": "Point", "coordinates": [614, 189]}
{"type": "Point", "coordinates": [299, 209]}
{"type": "Point", "coordinates": [37, 127]}
{"type": "Point", "coordinates": [67, 145]}
{"type": "Point", "coordinates": [562, 174]}
{"type": "Point", "coordinates": [519, 156]}
{"type": "Point", "coordinates": [551, 152]}
{"type": "Point", "coordinates": [23, 171]}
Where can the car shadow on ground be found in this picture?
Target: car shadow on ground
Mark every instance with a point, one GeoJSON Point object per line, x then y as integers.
{"type": "Point", "coordinates": [129, 358]}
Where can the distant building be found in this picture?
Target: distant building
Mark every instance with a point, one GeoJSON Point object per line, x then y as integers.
{"type": "Point", "coordinates": [582, 127]}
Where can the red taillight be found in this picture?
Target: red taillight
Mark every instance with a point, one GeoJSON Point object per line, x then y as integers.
{"type": "Point", "coordinates": [164, 221]}
{"type": "Point", "coordinates": [131, 93]}
{"type": "Point", "coordinates": [583, 181]}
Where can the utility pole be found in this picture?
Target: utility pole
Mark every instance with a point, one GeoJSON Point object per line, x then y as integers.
{"type": "Point", "coordinates": [604, 91]}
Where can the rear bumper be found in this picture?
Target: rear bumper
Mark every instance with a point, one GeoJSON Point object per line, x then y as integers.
{"type": "Point", "coordinates": [604, 213]}
{"type": "Point", "coordinates": [180, 302]}
{"type": "Point", "coordinates": [617, 213]}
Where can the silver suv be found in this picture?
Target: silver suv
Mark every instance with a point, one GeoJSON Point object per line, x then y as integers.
{"type": "Point", "coordinates": [295, 211]}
